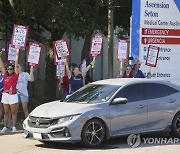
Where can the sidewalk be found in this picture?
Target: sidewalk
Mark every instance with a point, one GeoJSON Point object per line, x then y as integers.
{"type": "Point", "coordinates": [9, 131]}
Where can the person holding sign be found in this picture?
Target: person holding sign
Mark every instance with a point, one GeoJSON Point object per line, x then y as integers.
{"type": "Point", "coordinates": [136, 72]}
{"type": "Point", "coordinates": [9, 96]}
{"type": "Point", "coordinates": [22, 84]}
{"type": "Point", "coordinates": [76, 77]}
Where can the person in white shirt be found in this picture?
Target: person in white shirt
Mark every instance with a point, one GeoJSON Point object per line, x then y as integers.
{"type": "Point", "coordinates": [22, 85]}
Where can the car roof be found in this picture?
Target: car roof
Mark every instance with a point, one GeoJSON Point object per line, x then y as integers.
{"type": "Point", "coordinates": [123, 81]}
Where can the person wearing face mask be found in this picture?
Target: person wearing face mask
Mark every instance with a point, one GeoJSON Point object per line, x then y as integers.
{"type": "Point", "coordinates": [76, 77]}
{"type": "Point", "coordinates": [9, 95]}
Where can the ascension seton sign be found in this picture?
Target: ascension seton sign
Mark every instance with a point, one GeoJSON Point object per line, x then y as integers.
{"type": "Point", "coordinates": [157, 23]}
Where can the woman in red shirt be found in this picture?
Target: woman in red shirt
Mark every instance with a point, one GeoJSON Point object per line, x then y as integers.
{"type": "Point", "coordinates": [9, 96]}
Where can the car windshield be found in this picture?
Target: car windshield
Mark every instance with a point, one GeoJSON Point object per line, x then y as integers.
{"type": "Point", "coordinates": [93, 93]}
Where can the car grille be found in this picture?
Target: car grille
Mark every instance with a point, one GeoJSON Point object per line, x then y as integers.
{"type": "Point", "coordinates": [41, 122]}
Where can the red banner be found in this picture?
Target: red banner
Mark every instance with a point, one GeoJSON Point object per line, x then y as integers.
{"type": "Point", "coordinates": [160, 40]}
{"type": "Point", "coordinates": [161, 32]}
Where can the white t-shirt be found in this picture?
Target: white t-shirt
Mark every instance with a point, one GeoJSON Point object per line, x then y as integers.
{"type": "Point", "coordinates": [22, 83]}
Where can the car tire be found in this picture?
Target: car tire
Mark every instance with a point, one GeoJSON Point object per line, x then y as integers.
{"type": "Point", "coordinates": [176, 125]}
{"type": "Point", "coordinates": [93, 133]}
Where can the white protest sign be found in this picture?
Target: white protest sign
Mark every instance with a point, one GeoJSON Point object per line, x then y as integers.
{"type": "Point", "coordinates": [152, 56]}
{"type": "Point", "coordinates": [12, 54]}
{"type": "Point", "coordinates": [122, 54]}
{"type": "Point", "coordinates": [60, 70]}
{"type": "Point", "coordinates": [61, 48]}
{"type": "Point", "coordinates": [19, 36]}
{"type": "Point", "coordinates": [58, 61]}
{"type": "Point", "coordinates": [96, 45]}
{"type": "Point", "coordinates": [34, 54]}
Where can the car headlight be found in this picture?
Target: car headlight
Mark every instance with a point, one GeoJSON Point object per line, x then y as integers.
{"type": "Point", "coordinates": [68, 118]}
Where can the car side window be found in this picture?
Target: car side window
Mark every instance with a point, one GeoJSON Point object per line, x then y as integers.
{"type": "Point", "coordinates": [131, 92]}
{"type": "Point", "coordinates": [156, 90]}
{"type": "Point", "coordinates": [171, 90]}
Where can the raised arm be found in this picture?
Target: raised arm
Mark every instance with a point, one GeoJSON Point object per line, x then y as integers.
{"type": "Point", "coordinates": [3, 69]}
{"type": "Point", "coordinates": [16, 63]}
{"type": "Point", "coordinates": [61, 80]}
{"type": "Point", "coordinates": [67, 69]}
{"type": "Point", "coordinates": [88, 68]}
{"type": "Point", "coordinates": [32, 73]}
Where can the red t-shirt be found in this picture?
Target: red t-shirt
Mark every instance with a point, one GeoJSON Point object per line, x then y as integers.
{"type": "Point", "coordinates": [66, 84]}
{"type": "Point", "coordinates": [10, 81]}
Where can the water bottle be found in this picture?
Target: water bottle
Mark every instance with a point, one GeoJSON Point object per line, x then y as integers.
{"type": "Point", "coordinates": [10, 90]}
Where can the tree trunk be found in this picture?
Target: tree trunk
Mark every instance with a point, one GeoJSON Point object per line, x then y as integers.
{"type": "Point", "coordinates": [51, 83]}
{"type": "Point", "coordinates": [50, 80]}
{"type": "Point", "coordinates": [86, 48]}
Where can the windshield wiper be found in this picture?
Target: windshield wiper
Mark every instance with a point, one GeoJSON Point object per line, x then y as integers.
{"type": "Point", "coordinates": [92, 97]}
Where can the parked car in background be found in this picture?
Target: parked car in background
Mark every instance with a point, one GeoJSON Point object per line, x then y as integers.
{"type": "Point", "coordinates": [105, 109]}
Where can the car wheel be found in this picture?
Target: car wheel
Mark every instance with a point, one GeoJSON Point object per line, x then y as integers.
{"type": "Point", "coordinates": [93, 133]}
{"type": "Point", "coordinates": [176, 125]}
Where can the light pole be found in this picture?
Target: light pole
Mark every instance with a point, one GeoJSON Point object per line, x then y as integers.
{"type": "Point", "coordinates": [110, 38]}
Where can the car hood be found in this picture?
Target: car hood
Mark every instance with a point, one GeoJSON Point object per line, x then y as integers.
{"type": "Point", "coordinates": [58, 109]}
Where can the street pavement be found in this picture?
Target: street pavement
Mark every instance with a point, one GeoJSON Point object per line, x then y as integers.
{"type": "Point", "coordinates": [16, 144]}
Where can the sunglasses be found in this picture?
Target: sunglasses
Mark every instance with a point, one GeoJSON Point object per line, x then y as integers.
{"type": "Point", "coordinates": [10, 69]}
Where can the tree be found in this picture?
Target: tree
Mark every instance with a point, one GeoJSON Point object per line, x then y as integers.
{"type": "Point", "coordinates": [50, 19]}
{"type": "Point", "coordinates": [122, 14]}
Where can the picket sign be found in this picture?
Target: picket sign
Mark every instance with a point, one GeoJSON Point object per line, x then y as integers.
{"type": "Point", "coordinates": [35, 51]}
{"type": "Point", "coordinates": [96, 46]}
{"type": "Point", "coordinates": [19, 37]}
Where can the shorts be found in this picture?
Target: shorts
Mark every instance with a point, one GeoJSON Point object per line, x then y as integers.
{"type": "Point", "coordinates": [22, 98]}
{"type": "Point", "coordinates": [9, 99]}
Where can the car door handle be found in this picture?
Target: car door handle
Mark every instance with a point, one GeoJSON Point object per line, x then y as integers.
{"type": "Point", "coordinates": [172, 100]}
{"type": "Point", "coordinates": [141, 106]}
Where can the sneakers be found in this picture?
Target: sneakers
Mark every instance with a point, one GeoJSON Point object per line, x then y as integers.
{"type": "Point", "coordinates": [14, 129]}
{"type": "Point", "coordinates": [4, 130]}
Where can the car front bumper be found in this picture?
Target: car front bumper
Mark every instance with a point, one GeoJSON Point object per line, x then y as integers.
{"type": "Point", "coordinates": [66, 132]}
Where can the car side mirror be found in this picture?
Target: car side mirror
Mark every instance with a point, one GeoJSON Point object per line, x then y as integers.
{"type": "Point", "coordinates": [120, 100]}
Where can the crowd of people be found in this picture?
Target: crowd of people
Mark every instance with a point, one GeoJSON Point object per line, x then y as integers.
{"type": "Point", "coordinates": [14, 83]}
{"type": "Point", "coordinates": [75, 79]}
{"type": "Point", "coordinates": [132, 71]}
